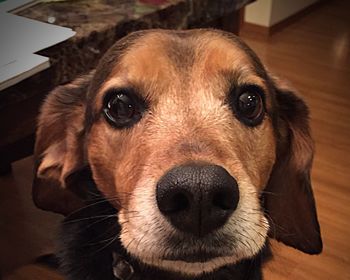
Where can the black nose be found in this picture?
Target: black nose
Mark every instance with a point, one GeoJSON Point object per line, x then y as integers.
{"type": "Point", "coordinates": [197, 198]}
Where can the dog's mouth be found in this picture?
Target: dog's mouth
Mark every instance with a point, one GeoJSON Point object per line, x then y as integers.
{"type": "Point", "coordinates": [192, 255]}
{"type": "Point", "coordinates": [190, 249]}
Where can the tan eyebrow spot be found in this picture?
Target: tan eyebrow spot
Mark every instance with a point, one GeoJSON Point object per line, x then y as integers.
{"type": "Point", "coordinates": [147, 60]}
{"type": "Point", "coordinates": [221, 62]}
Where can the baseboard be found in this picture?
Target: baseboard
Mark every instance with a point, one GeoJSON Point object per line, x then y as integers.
{"type": "Point", "coordinates": [264, 32]}
{"type": "Point", "coordinates": [252, 30]}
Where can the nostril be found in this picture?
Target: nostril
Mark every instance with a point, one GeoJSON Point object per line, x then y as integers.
{"type": "Point", "coordinates": [220, 201]}
{"type": "Point", "coordinates": [223, 201]}
{"type": "Point", "coordinates": [178, 202]}
{"type": "Point", "coordinates": [181, 201]}
{"type": "Point", "coordinates": [171, 202]}
{"type": "Point", "coordinates": [226, 199]}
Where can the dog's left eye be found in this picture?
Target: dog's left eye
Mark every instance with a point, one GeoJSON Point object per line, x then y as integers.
{"type": "Point", "coordinates": [121, 108]}
{"type": "Point", "coordinates": [248, 105]}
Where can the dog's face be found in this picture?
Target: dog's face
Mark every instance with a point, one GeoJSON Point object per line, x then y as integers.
{"type": "Point", "coordinates": [171, 101]}
{"type": "Point", "coordinates": [185, 133]}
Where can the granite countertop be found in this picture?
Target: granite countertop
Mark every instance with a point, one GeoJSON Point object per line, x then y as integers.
{"type": "Point", "coordinates": [86, 16]}
{"type": "Point", "coordinates": [99, 23]}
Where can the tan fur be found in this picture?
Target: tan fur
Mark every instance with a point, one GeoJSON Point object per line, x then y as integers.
{"type": "Point", "coordinates": [186, 84]}
{"type": "Point", "coordinates": [59, 141]}
{"type": "Point", "coordinates": [187, 111]}
{"type": "Point", "coordinates": [188, 120]}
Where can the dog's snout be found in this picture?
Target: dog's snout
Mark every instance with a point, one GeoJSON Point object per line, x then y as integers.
{"type": "Point", "coordinates": [197, 198]}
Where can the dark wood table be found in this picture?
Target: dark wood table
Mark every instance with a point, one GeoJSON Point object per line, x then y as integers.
{"type": "Point", "coordinates": [98, 23]}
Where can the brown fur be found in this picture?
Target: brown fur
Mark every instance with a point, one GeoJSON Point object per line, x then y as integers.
{"type": "Point", "coordinates": [185, 78]}
{"type": "Point", "coordinates": [170, 89]}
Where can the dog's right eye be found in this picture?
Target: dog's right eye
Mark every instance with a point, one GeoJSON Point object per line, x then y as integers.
{"type": "Point", "coordinates": [122, 108]}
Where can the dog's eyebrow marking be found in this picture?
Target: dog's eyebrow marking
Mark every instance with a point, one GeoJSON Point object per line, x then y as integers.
{"type": "Point", "coordinates": [243, 76]}
{"type": "Point", "coordinates": [141, 90]}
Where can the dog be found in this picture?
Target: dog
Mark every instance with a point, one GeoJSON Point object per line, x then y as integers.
{"type": "Point", "coordinates": [178, 157]}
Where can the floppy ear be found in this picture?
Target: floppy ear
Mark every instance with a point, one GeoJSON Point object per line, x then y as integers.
{"type": "Point", "coordinates": [59, 147]}
{"type": "Point", "coordinates": [289, 199]}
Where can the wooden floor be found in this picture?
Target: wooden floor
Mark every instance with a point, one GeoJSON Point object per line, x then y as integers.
{"type": "Point", "coordinates": [314, 54]}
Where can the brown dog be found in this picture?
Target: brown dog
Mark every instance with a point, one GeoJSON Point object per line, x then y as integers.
{"type": "Point", "coordinates": [191, 140]}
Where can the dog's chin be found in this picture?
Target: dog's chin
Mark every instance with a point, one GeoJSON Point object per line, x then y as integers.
{"type": "Point", "coordinates": [194, 265]}
{"type": "Point", "coordinates": [191, 262]}
{"type": "Point", "coordinates": [191, 256]}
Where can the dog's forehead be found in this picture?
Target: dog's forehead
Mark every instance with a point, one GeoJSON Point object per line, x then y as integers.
{"type": "Point", "coordinates": [159, 51]}
{"type": "Point", "coordinates": [161, 60]}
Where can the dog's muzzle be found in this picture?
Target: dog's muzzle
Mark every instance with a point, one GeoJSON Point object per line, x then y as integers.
{"type": "Point", "coordinates": [197, 198]}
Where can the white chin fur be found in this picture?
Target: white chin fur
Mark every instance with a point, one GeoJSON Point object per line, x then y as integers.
{"type": "Point", "coordinates": [193, 268]}
{"type": "Point", "coordinates": [145, 231]}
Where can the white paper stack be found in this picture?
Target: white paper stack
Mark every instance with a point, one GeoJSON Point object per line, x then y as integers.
{"type": "Point", "coordinates": [22, 37]}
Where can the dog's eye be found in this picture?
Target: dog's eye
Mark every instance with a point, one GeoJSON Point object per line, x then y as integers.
{"type": "Point", "coordinates": [249, 105]}
{"type": "Point", "coordinates": [121, 108]}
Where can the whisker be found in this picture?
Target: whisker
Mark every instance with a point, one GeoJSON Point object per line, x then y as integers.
{"type": "Point", "coordinates": [88, 218]}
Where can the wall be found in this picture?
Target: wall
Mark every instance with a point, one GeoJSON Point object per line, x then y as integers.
{"type": "Point", "coordinates": [259, 12]}
{"type": "Point", "coordinates": [269, 12]}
